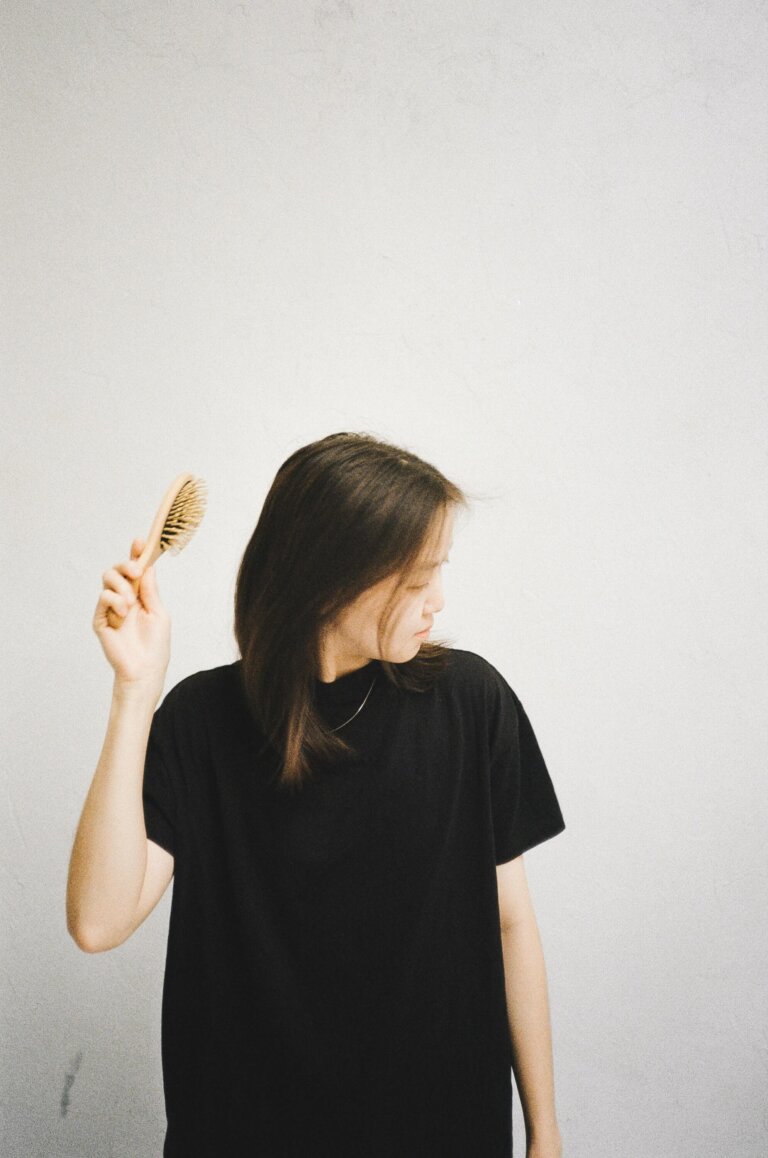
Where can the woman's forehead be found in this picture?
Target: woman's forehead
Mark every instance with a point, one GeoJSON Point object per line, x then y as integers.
{"type": "Point", "coordinates": [438, 544]}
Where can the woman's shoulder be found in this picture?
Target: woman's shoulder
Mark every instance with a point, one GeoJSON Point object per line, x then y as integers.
{"type": "Point", "coordinates": [474, 675]}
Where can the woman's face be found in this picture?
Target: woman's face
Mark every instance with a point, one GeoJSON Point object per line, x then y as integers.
{"type": "Point", "coordinates": [352, 641]}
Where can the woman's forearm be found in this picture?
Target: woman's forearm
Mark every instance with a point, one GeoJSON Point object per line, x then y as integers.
{"type": "Point", "coordinates": [525, 981]}
{"type": "Point", "coordinates": [109, 854]}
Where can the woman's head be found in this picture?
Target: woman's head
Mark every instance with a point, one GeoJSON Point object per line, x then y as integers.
{"type": "Point", "coordinates": [387, 620]}
{"type": "Point", "coordinates": [344, 565]}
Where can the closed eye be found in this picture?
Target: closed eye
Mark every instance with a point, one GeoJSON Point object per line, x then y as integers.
{"type": "Point", "coordinates": [421, 586]}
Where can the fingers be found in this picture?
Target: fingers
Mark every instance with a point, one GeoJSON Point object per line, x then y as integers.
{"type": "Point", "coordinates": [120, 577]}
{"type": "Point", "coordinates": [111, 599]}
{"type": "Point", "coordinates": [118, 591]}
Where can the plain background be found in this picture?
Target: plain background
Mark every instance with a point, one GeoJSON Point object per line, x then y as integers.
{"type": "Point", "coordinates": [526, 241]}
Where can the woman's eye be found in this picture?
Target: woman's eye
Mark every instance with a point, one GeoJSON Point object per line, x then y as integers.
{"type": "Point", "coordinates": [421, 586]}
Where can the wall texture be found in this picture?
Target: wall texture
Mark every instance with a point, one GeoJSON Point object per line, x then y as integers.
{"type": "Point", "coordinates": [526, 240]}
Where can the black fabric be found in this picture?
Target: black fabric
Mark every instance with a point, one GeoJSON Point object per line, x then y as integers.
{"type": "Point", "coordinates": [334, 980]}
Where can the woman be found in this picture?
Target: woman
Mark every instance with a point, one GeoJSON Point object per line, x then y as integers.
{"type": "Point", "coordinates": [353, 962]}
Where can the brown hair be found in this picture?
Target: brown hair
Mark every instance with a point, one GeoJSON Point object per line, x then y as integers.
{"type": "Point", "coordinates": [342, 514]}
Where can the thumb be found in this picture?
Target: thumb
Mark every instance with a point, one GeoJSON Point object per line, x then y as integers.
{"type": "Point", "coordinates": [148, 590]}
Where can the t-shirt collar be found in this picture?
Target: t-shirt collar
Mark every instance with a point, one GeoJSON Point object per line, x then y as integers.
{"type": "Point", "coordinates": [348, 687]}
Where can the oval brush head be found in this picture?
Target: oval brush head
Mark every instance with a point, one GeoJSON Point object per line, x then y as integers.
{"type": "Point", "coordinates": [178, 517]}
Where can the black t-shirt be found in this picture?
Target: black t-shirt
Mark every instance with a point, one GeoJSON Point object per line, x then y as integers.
{"type": "Point", "coordinates": [334, 980]}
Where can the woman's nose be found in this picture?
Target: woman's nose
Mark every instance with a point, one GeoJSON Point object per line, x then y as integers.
{"type": "Point", "coordinates": [435, 600]}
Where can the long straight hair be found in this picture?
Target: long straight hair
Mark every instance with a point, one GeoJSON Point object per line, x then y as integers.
{"type": "Point", "coordinates": [342, 514]}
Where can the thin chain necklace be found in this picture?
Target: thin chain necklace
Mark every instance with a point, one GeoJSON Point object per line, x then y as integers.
{"type": "Point", "coordinates": [370, 689]}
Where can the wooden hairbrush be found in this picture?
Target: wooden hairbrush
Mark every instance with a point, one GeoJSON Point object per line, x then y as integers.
{"type": "Point", "coordinates": [178, 517]}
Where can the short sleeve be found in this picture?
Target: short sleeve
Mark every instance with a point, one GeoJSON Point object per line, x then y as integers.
{"type": "Point", "coordinates": [158, 792]}
{"type": "Point", "coordinates": [524, 804]}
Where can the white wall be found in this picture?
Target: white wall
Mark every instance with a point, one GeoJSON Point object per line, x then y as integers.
{"type": "Point", "coordinates": [525, 240]}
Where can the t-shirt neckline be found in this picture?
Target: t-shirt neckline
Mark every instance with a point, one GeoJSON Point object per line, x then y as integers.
{"type": "Point", "coordinates": [347, 686]}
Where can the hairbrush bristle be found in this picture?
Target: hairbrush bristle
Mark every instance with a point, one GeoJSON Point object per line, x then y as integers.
{"type": "Point", "coordinates": [184, 517]}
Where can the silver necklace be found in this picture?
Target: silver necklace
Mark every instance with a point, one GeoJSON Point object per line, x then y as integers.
{"type": "Point", "coordinates": [370, 689]}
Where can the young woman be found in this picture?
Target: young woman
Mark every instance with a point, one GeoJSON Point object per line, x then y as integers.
{"type": "Point", "coordinates": [353, 962]}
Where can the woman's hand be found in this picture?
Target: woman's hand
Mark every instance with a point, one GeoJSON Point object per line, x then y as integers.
{"type": "Point", "coordinates": [140, 649]}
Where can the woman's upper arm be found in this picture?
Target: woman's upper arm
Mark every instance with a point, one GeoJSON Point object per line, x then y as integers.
{"type": "Point", "coordinates": [514, 898]}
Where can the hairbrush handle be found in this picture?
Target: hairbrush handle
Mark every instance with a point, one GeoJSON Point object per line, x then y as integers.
{"type": "Point", "coordinates": [177, 519]}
